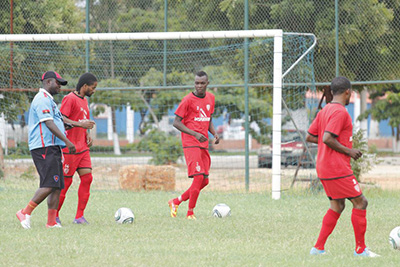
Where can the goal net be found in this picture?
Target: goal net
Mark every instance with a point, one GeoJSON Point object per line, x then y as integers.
{"type": "Point", "coordinates": [142, 78]}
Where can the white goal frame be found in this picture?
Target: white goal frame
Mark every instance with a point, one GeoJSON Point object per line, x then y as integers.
{"type": "Point", "coordinates": [278, 76]}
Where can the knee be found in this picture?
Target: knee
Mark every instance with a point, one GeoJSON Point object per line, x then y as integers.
{"type": "Point", "coordinates": [87, 178]}
{"type": "Point", "coordinates": [362, 203]}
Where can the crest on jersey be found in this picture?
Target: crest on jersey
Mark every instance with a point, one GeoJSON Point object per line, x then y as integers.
{"type": "Point", "coordinates": [208, 107]}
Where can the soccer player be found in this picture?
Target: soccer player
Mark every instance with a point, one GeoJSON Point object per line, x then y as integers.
{"type": "Point", "coordinates": [46, 137]}
{"type": "Point", "coordinates": [193, 119]}
{"type": "Point", "coordinates": [74, 108]}
{"type": "Point", "coordinates": [332, 130]}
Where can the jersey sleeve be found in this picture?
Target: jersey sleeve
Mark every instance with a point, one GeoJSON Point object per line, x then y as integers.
{"type": "Point", "coordinates": [336, 123]}
{"type": "Point", "coordinates": [44, 110]}
{"type": "Point", "coordinates": [66, 106]}
{"type": "Point", "coordinates": [182, 109]}
{"type": "Point", "coordinates": [313, 130]}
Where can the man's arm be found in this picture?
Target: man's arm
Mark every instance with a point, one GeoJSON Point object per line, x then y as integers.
{"type": "Point", "coordinates": [182, 127]}
{"type": "Point", "coordinates": [333, 143]}
{"type": "Point", "coordinates": [54, 129]}
{"type": "Point", "coordinates": [211, 129]}
{"type": "Point", "coordinates": [86, 124]}
{"type": "Point", "coordinates": [312, 139]}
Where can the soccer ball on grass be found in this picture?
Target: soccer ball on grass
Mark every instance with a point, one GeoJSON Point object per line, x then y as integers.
{"type": "Point", "coordinates": [221, 210]}
{"type": "Point", "coordinates": [124, 216]}
{"type": "Point", "coordinates": [394, 238]}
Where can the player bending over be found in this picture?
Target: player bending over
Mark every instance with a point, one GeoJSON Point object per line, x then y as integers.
{"type": "Point", "coordinates": [74, 108]}
{"type": "Point", "coordinates": [46, 137]}
{"type": "Point", "coordinates": [193, 119]}
{"type": "Point", "coordinates": [332, 130]}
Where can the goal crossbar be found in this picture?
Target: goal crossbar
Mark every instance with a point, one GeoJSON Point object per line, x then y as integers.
{"type": "Point", "coordinates": [140, 36]}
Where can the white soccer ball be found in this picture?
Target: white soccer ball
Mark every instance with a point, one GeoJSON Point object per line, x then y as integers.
{"type": "Point", "coordinates": [124, 216]}
{"type": "Point", "coordinates": [394, 238]}
{"type": "Point", "coordinates": [221, 210]}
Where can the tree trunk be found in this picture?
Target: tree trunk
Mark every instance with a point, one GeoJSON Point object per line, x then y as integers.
{"type": "Point", "coordinates": [374, 125]}
{"type": "Point", "coordinates": [117, 150]}
{"type": "Point", "coordinates": [2, 170]}
{"type": "Point", "coordinates": [363, 109]}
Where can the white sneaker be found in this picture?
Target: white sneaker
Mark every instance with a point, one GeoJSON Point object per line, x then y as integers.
{"type": "Point", "coordinates": [57, 225]}
{"type": "Point", "coordinates": [25, 219]}
{"type": "Point", "coordinates": [367, 253]}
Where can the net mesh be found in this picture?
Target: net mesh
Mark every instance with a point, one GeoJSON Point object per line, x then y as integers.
{"type": "Point", "coordinates": [135, 101]}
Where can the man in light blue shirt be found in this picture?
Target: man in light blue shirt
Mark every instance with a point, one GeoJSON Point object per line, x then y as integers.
{"type": "Point", "coordinates": [46, 138]}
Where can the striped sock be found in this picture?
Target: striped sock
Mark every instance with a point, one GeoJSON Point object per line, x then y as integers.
{"type": "Point", "coordinates": [29, 208]}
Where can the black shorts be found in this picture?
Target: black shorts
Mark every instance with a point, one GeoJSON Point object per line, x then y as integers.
{"type": "Point", "coordinates": [48, 162]}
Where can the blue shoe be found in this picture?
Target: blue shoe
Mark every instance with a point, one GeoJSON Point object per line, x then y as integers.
{"type": "Point", "coordinates": [81, 220]}
{"type": "Point", "coordinates": [58, 220]}
{"type": "Point", "coordinates": [315, 251]}
{"type": "Point", "coordinates": [367, 253]}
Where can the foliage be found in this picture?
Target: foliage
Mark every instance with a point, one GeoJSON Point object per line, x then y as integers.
{"type": "Point", "coordinates": [165, 148]}
{"type": "Point", "coordinates": [367, 161]}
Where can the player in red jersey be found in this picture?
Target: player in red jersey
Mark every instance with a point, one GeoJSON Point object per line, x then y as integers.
{"type": "Point", "coordinates": [75, 110]}
{"type": "Point", "coordinates": [194, 120]}
{"type": "Point", "coordinates": [332, 130]}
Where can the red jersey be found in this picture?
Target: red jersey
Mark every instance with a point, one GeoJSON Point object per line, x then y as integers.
{"type": "Point", "coordinates": [334, 119]}
{"type": "Point", "coordinates": [196, 115]}
{"type": "Point", "coordinates": [76, 108]}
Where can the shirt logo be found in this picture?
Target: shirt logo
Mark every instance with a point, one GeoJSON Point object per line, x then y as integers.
{"type": "Point", "coordinates": [208, 107]}
{"type": "Point", "coordinates": [202, 116]}
{"type": "Point", "coordinates": [45, 111]}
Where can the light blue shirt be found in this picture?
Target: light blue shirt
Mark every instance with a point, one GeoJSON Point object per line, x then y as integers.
{"type": "Point", "coordinates": [44, 108]}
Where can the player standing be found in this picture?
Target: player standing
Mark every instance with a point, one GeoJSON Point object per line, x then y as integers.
{"type": "Point", "coordinates": [193, 119]}
{"type": "Point", "coordinates": [332, 130]}
{"type": "Point", "coordinates": [46, 137]}
{"type": "Point", "coordinates": [75, 109]}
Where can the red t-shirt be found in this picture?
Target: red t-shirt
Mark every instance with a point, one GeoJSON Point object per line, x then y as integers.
{"type": "Point", "coordinates": [196, 115]}
{"type": "Point", "coordinates": [335, 119]}
{"type": "Point", "coordinates": [76, 108]}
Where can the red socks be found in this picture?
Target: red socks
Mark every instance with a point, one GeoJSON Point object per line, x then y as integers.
{"type": "Point", "coordinates": [359, 221]}
{"type": "Point", "coordinates": [51, 217]}
{"type": "Point", "coordinates": [328, 224]}
{"type": "Point", "coordinates": [67, 184]}
{"type": "Point", "coordinates": [29, 208]}
{"type": "Point", "coordinates": [83, 193]}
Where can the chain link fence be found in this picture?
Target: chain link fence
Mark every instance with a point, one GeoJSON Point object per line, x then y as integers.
{"type": "Point", "coordinates": [356, 39]}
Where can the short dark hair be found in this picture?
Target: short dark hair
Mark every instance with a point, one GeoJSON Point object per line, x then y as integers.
{"type": "Point", "coordinates": [86, 78]}
{"type": "Point", "coordinates": [201, 73]}
{"type": "Point", "coordinates": [339, 85]}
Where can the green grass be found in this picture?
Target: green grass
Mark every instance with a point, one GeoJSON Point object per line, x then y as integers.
{"type": "Point", "coordinates": [260, 232]}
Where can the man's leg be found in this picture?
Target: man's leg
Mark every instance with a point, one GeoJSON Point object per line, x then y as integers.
{"type": "Point", "coordinates": [83, 191]}
{"type": "Point", "coordinates": [194, 193]}
{"type": "Point", "coordinates": [52, 205]}
{"type": "Point", "coordinates": [359, 221]}
{"type": "Point", "coordinates": [329, 222]}
{"type": "Point", "coordinates": [67, 184]}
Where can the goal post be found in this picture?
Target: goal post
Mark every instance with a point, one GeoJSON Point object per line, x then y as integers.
{"type": "Point", "coordinates": [118, 60]}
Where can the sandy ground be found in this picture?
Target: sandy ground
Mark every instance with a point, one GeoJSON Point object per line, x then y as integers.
{"type": "Point", "coordinates": [386, 175]}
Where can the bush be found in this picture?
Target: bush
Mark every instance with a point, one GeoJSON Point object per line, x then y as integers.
{"type": "Point", "coordinates": [367, 161]}
{"type": "Point", "coordinates": [165, 148]}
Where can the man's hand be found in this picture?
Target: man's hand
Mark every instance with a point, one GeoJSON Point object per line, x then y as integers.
{"type": "Point", "coordinates": [87, 124]}
{"type": "Point", "coordinates": [71, 147]}
{"type": "Point", "coordinates": [355, 153]}
{"type": "Point", "coordinates": [216, 138]}
{"type": "Point", "coordinates": [200, 137]}
{"type": "Point", "coordinates": [89, 141]}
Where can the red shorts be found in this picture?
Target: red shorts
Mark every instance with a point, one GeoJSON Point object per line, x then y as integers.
{"type": "Point", "coordinates": [72, 162]}
{"type": "Point", "coordinates": [198, 161]}
{"type": "Point", "coordinates": [342, 188]}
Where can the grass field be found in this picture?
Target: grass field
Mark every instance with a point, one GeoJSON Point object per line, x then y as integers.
{"type": "Point", "coordinates": [260, 232]}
